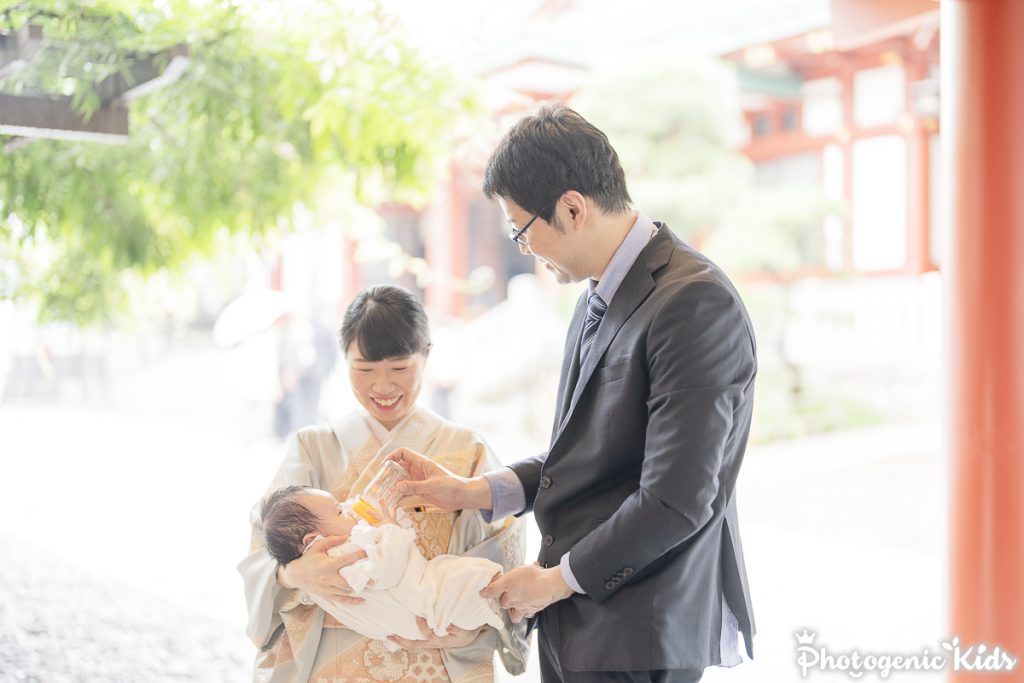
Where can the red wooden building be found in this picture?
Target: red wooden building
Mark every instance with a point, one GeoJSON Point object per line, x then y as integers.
{"type": "Point", "coordinates": [853, 107]}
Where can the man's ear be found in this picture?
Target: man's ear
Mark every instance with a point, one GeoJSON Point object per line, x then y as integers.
{"type": "Point", "coordinates": [574, 205]}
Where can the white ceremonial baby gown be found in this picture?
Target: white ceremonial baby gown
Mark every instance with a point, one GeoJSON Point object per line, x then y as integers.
{"type": "Point", "coordinates": [444, 590]}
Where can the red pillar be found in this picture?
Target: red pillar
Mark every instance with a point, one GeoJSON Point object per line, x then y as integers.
{"type": "Point", "coordinates": [353, 282]}
{"type": "Point", "coordinates": [982, 64]}
{"type": "Point", "coordinates": [846, 143]}
{"type": "Point", "coordinates": [916, 136]}
{"type": "Point", "coordinates": [446, 234]}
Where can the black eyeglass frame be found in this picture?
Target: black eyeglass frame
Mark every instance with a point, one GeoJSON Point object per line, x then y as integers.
{"type": "Point", "coordinates": [517, 235]}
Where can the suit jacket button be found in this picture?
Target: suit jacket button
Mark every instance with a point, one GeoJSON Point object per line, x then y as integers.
{"type": "Point", "coordinates": [609, 585]}
{"type": "Point", "coordinates": [548, 540]}
{"type": "Point", "coordinates": [545, 482]}
{"type": "Point", "coordinates": [628, 571]}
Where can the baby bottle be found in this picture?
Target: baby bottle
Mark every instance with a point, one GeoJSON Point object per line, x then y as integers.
{"type": "Point", "coordinates": [378, 502]}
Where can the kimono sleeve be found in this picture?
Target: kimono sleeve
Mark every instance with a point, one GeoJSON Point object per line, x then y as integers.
{"type": "Point", "coordinates": [264, 596]}
{"type": "Point", "coordinates": [503, 542]}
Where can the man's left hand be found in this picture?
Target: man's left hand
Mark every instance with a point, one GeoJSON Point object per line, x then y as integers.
{"type": "Point", "coordinates": [524, 591]}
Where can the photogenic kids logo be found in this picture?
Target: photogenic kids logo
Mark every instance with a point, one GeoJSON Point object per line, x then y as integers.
{"type": "Point", "coordinates": [812, 658]}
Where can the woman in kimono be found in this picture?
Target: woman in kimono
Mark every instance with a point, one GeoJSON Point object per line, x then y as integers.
{"type": "Point", "coordinates": [385, 339]}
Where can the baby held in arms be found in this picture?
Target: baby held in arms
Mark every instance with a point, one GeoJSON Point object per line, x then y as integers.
{"type": "Point", "coordinates": [395, 581]}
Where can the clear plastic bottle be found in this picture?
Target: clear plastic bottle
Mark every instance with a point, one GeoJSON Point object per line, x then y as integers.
{"type": "Point", "coordinates": [378, 502]}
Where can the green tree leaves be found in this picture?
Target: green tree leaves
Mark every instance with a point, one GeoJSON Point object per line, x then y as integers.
{"type": "Point", "coordinates": [277, 97]}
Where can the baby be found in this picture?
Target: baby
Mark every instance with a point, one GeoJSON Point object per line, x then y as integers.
{"type": "Point", "coordinates": [396, 582]}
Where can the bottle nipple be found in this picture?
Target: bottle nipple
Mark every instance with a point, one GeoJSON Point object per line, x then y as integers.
{"type": "Point", "coordinates": [365, 510]}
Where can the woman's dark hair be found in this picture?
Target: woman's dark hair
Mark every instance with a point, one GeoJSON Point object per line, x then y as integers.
{"type": "Point", "coordinates": [548, 153]}
{"type": "Point", "coordinates": [285, 522]}
{"type": "Point", "coordinates": [385, 322]}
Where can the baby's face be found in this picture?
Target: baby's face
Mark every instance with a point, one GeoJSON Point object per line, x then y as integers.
{"type": "Point", "coordinates": [333, 521]}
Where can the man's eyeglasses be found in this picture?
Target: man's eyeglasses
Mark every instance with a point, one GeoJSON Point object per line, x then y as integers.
{"type": "Point", "coordinates": [517, 235]}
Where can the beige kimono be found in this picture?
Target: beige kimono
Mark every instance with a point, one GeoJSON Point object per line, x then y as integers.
{"type": "Point", "coordinates": [297, 642]}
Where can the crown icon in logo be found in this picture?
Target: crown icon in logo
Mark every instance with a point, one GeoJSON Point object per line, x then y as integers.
{"type": "Point", "coordinates": [805, 638]}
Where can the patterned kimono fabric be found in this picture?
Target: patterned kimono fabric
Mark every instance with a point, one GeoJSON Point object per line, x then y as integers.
{"type": "Point", "coordinates": [298, 642]}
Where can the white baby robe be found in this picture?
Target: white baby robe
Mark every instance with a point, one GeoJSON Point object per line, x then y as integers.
{"type": "Point", "coordinates": [444, 590]}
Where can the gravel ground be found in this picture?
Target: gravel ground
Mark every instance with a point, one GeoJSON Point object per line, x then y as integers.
{"type": "Point", "coordinates": [61, 624]}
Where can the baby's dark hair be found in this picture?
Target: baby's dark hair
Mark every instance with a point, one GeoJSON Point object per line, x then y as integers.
{"type": "Point", "coordinates": [286, 521]}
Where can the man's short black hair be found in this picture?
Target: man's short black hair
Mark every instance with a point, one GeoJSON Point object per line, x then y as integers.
{"type": "Point", "coordinates": [550, 152]}
{"type": "Point", "coordinates": [285, 522]}
{"type": "Point", "coordinates": [386, 322]}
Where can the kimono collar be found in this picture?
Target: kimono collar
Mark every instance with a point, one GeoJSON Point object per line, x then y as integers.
{"type": "Point", "coordinates": [382, 433]}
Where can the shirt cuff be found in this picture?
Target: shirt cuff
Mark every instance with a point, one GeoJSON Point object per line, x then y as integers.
{"type": "Point", "coordinates": [567, 575]}
{"type": "Point", "coordinates": [508, 497]}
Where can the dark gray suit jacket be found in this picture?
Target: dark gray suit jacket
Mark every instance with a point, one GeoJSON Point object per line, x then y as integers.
{"type": "Point", "coordinates": [639, 481]}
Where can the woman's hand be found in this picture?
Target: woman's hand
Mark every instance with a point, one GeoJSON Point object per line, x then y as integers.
{"type": "Point", "coordinates": [440, 486]}
{"type": "Point", "coordinates": [317, 573]}
{"type": "Point", "coordinates": [456, 637]}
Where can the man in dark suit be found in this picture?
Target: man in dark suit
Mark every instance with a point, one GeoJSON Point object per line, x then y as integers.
{"type": "Point", "coordinates": [640, 575]}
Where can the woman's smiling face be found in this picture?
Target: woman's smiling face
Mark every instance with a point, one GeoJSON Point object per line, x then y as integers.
{"type": "Point", "coordinates": [386, 388]}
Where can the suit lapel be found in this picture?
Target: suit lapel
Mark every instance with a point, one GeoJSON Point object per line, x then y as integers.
{"type": "Point", "coordinates": [635, 287]}
{"type": "Point", "coordinates": [570, 361]}
{"type": "Point", "coordinates": [633, 290]}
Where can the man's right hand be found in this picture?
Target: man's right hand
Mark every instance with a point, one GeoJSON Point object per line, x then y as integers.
{"type": "Point", "coordinates": [439, 486]}
{"type": "Point", "coordinates": [317, 573]}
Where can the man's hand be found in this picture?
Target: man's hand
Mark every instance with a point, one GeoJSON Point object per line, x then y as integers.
{"type": "Point", "coordinates": [524, 591]}
{"type": "Point", "coordinates": [440, 486]}
{"type": "Point", "coordinates": [317, 573]}
{"type": "Point", "coordinates": [456, 637]}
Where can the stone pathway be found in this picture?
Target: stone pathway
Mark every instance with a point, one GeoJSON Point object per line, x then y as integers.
{"type": "Point", "coordinates": [59, 624]}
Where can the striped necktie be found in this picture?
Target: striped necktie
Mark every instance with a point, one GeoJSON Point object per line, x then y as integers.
{"type": "Point", "coordinates": [596, 308]}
